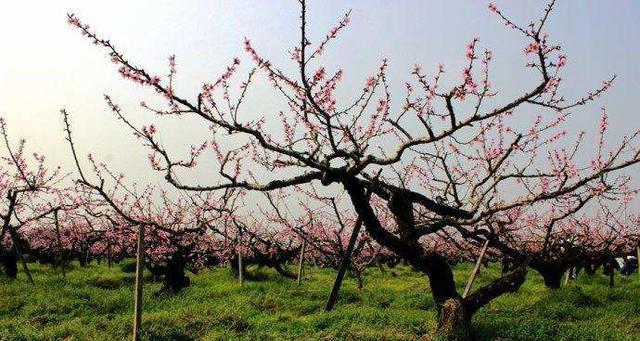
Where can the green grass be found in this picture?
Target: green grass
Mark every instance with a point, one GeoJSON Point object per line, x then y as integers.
{"type": "Point", "coordinates": [95, 303]}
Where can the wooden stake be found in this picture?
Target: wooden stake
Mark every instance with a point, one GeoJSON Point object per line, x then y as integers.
{"type": "Point", "coordinates": [137, 320]}
{"type": "Point", "coordinates": [240, 268]}
{"type": "Point", "coordinates": [343, 266]}
{"type": "Point", "coordinates": [16, 246]}
{"type": "Point", "coordinates": [61, 260]}
{"type": "Point", "coordinates": [346, 259]}
{"type": "Point", "coordinates": [611, 274]}
{"type": "Point", "coordinates": [474, 273]}
{"type": "Point", "coordinates": [566, 279]}
{"type": "Point", "coordinates": [108, 253]}
{"type": "Point", "coordinates": [304, 243]}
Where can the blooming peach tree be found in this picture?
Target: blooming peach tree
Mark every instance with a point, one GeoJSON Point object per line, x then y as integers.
{"type": "Point", "coordinates": [465, 158]}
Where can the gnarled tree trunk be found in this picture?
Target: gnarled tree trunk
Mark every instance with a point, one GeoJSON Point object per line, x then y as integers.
{"type": "Point", "coordinates": [552, 275]}
{"type": "Point", "coordinates": [454, 312]}
{"type": "Point", "coordinates": [454, 319]}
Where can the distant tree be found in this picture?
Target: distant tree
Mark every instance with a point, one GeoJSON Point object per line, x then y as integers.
{"type": "Point", "coordinates": [29, 193]}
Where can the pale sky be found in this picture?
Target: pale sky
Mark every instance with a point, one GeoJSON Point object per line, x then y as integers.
{"type": "Point", "coordinates": [45, 64]}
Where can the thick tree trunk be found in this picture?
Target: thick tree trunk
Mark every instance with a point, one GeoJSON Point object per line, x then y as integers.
{"type": "Point", "coordinates": [82, 260]}
{"type": "Point", "coordinates": [508, 264]}
{"type": "Point", "coordinates": [552, 277]}
{"type": "Point", "coordinates": [611, 281]}
{"type": "Point", "coordinates": [174, 278]}
{"type": "Point", "coordinates": [454, 312]}
{"type": "Point", "coordinates": [590, 269]}
{"type": "Point", "coordinates": [453, 321]}
{"type": "Point", "coordinates": [10, 265]}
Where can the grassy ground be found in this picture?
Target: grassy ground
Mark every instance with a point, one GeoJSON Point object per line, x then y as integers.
{"type": "Point", "coordinates": [95, 303]}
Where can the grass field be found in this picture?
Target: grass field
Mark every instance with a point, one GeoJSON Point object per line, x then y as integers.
{"type": "Point", "coordinates": [95, 303]}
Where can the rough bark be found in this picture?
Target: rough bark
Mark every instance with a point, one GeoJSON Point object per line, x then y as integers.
{"type": "Point", "coordinates": [453, 321]}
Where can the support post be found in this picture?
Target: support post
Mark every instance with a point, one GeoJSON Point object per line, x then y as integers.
{"type": "Point", "coordinates": [474, 273]}
{"type": "Point", "coordinates": [346, 259]}
{"type": "Point", "coordinates": [240, 265]}
{"type": "Point", "coordinates": [60, 249]}
{"type": "Point", "coordinates": [611, 275]}
{"type": "Point", "coordinates": [301, 262]}
{"type": "Point", "coordinates": [16, 246]}
{"type": "Point", "coordinates": [108, 253]}
{"type": "Point", "coordinates": [137, 320]}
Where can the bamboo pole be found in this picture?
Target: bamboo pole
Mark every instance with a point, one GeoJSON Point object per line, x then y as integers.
{"type": "Point", "coordinates": [474, 273]}
{"type": "Point", "coordinates": [300, 264]}
{"type": "Point", "coordinates": [137, 320]}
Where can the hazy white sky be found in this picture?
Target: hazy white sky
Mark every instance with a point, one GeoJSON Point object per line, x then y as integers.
{"type": "Point", "coordinates": [45, 64]}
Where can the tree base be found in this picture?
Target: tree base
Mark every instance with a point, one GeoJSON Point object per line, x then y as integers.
{"type": "Point", "coordinates": [454, 323]}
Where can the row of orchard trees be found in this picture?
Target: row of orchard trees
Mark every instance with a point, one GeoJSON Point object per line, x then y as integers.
{"type": "Point", "coordinates": [426, 179]}
{"type": "Point", "coordinates": [54, 222]}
